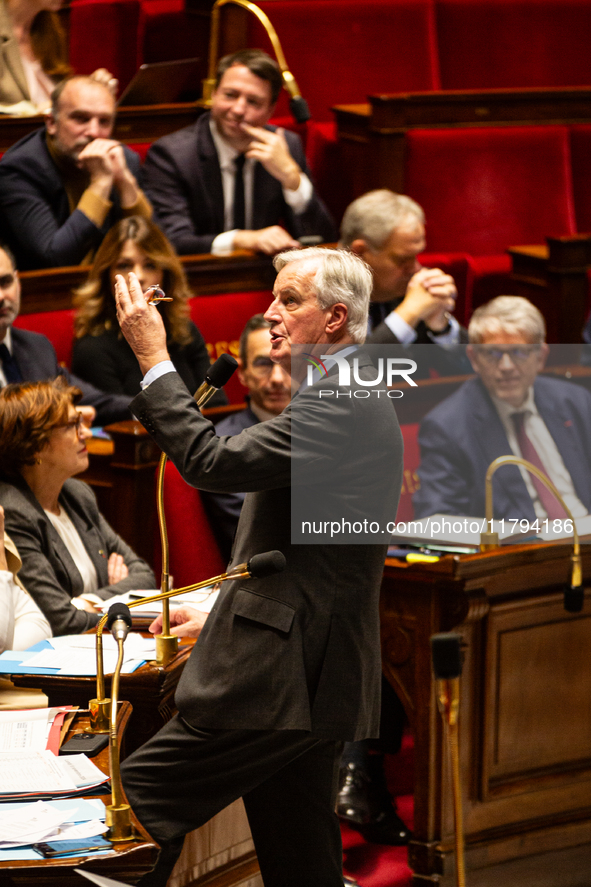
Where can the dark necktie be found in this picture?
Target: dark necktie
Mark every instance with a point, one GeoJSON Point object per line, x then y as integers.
{"type": "Point", "coordinates": [551, 505]}
{"type": "Point", "coordinates": [9, 365]}
{"type": "Point", "coordinates": [239, 204]}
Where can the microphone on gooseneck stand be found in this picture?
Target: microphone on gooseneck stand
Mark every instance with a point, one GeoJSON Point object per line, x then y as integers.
{"type": "Point", "coordinates": [118, 813]}
{"type": "Point", "coordinates": [447, 668]}
{"type": "Point", "coordinates": [216, 377]}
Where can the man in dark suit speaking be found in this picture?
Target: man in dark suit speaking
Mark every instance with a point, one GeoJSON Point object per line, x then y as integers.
{"type": "Point", "coordinates": [230, 181]}
{"type": "Point", "coordinates": [508, 410]}
{"type": "Point", "coordinates": [285, 667]}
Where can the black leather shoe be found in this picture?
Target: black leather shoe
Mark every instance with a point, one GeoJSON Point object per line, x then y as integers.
{"type": "Point", "coordinates": [386, 828]}
{"type": "Point", "coordinates": [353, 802]}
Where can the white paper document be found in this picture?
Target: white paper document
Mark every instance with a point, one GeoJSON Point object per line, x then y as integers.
{"type": "Point", "coordinates": [42, 772]}
{"type": "Point", "coordinates": [22, 730]}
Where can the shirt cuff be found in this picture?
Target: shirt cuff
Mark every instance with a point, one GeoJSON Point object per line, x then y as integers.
{"type": "Point", "coordinates": [142, 207]}
{"type": "Point", "coordinates": [94, 207]}
{"type": "Point", "coordinates": [223, 243]}
{"type": "Point", "coordinates": [160, 369]}
{"type": "Point", "coordinates": [299, 199]}
{"type": "Point", "coordinates": [451, 337]}
{"type": "Point", "coordinates": [401, 329]}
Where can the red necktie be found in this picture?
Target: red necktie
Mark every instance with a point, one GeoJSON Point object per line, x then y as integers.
{"type": "Point", "coordinates": [551, 505]}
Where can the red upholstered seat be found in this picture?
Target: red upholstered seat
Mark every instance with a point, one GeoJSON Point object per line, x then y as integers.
{"type": "Point", "coordinates": [580, 137]}
{"type": "Point", "coordinates": [104, 34]}
{"type": "Point", "coordinates": [484, 190]}
{"type": "Point", "coordinates": [505, 43]}
{"type": "Point", "coordinates": [193, 550]}
{"type": "Point", "coordinates": [339, 51]}
{"type": "Point", "coordinates": [140, 148]}
{"type": "Point", "coordinates": [221, 319]}
{"type": "Point", "coordinates": [58, 326]}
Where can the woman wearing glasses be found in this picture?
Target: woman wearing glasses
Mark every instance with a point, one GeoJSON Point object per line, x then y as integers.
{"type": "Point", "coordinates": [101, 355]}
{"type": "Point", "coordinates": [72, 559]}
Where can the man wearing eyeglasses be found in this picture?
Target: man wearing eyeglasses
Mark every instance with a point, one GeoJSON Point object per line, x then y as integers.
{"type": "Point", "coordinates": [508, 410]}
{"type": "Point", "coordinates": [269, 392]}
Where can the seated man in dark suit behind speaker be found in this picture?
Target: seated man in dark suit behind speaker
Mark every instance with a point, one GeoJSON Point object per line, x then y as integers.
{"type": "Point", "coordinates": [508, 410]}
{"type": "Point", "coordinates": [230, 181]}
{"type": "Point", "coordinates": [269, 392]}
{"type": "Point", "coordinates": [410, 305]}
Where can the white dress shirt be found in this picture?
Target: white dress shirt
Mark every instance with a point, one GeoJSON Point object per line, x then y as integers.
{"type": "Point", "coordinates": [298, 200]}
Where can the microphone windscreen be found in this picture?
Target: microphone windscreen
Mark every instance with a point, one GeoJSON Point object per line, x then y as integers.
{"type": "Point", "coordinates": [446, 654]}
{"type": "Point", "coordinates": [119, 611]}
{"type": "Point", "coordinates": [299, 108]}
{"type": "Point", "coordinates": [220, 371]}
{"type": "Point", "coordinates": [574, 597]}
{"type": "Point", "coordinates": [261, 565]}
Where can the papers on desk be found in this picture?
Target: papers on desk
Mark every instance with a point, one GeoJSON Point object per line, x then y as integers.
{"type": "Point", "coordinates": [60, 820]}
{"type": "Point", "coordinates": [203, 600]}
{"type": "Point", "coordinates": [76, 655]}
{"type": "Point", "coordinates": [27, 775]}
{"type": "Point", "coordinates": [35, 729]}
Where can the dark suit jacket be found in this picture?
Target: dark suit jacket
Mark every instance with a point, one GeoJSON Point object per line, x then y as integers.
{"type": "Point", "coordinates": [223, 509]}
{"type": "Point", "coordinates": [461, 437]}
{"type": "Point", "coordinates": [184, 183]}
{"type": "Point", "coordinates": [37, 362]}
{"type": "Point", "coordinates": [300, 649]}
{"type": "Point", "coordinates": [35, 218]}
{"type": "Point", "coordinates": [48, 571]}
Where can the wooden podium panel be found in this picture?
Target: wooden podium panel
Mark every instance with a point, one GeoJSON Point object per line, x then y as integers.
{"type": "Point", "coordinates": [525, 718]}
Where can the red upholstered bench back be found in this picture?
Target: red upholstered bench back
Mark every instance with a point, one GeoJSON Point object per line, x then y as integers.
{"type": "Point", "coordinates": [580, 137]}
{"type": "Point", "coordinates": [339, 51]}
{"type": "Point", "coordinates": [505, 43]}
{"type": "Point", "coordinates": [58, 326]}
{"type": "Point", "coordinates": [105, 34]}
{"type": "Point", "coordinates": [484, 190]}
{"type": "Point", "coordinates": [221, 319]}
{"type": "Point", "coordinates": [140, 148]}
{"type": "Point", "coordinates": [194, 553]}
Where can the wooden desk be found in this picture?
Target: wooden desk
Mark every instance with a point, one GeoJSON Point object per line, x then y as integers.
{"type": "Point", "coordinates": [150, 690]}
{"type": "Point", "coordinates": [554, 277]}
{"type": "Point", "coordinates": [525, 720]}
{"type": "Point", "coordinates": [141, 123]}
{"type": "Point", "coordinates": [128, 860]}
{"type": "Point", "coordinates": [372, 134]}
{"type": "Point", "coordinates": [50, 289]}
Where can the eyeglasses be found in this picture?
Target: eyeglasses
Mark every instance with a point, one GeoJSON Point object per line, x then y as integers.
{"type": "Point", "coordinates": [76, 423]}
{"type": "Point", "coordinates": [262, 366]}
{"type": "Point", "coordinates": [518, 355]}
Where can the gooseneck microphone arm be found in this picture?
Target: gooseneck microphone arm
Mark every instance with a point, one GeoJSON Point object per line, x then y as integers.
{"type": "Point", "coordinates": [217, 376]}
{"type": "Point", "coordinates": [258, 567]}
{"type": "Point", "coordinates": [573, 594]}
{"type": "Point", "coordinates": [117, 813]}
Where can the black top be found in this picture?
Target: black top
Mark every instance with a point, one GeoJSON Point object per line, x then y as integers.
{"type": "Point", "coordinates": [108, 362]}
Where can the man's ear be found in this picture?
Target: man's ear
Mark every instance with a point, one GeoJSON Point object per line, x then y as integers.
{"type": "Point", "coordinates": [359, 247]}
{"type": "Point", "coordinates": [50, 124]}
{"type": "Point", "coordinates": [240, 372]}
{"type": "Point", "coordinates": [543, 357]}
{"type": "Point", "coordinates": [336, 319]}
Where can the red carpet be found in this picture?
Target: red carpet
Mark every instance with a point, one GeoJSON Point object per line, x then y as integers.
{"type": "Point", "coordinates": [376, 865]}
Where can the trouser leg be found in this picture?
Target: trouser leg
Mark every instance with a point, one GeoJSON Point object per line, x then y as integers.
{"type": "Point", "coordinates": [184, 775]}
{"type": "Point", "coordinates": [293, 822]}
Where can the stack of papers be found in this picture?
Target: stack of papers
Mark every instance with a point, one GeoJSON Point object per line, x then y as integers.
{"type": "Point", "coordinates": [76, 655]}
{"type": "Point", "coordinates": [23, 824]}
{"type": "Point", "coordinates": [41, 774]}
{"type": "Point", "coordinates": [34, 729]}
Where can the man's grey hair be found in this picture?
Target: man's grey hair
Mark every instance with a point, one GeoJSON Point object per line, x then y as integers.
{"type": "Point", "coordinates": [341, 277]}
{"type": "Point", "coordinates": [512, 315]}
{"type": "Point", "coordinates": [375, 215]}
{"type": "Point", "coordinates": [257, 322]}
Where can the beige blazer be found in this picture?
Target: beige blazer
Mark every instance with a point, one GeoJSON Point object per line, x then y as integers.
{"type": "Point", "coordinates": [13, 82]}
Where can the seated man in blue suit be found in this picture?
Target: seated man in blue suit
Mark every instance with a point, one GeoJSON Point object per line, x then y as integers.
{"type": "Point", "coordinates": [508, 409]}
{"type": "Point", "coordinates": [230, 181]}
